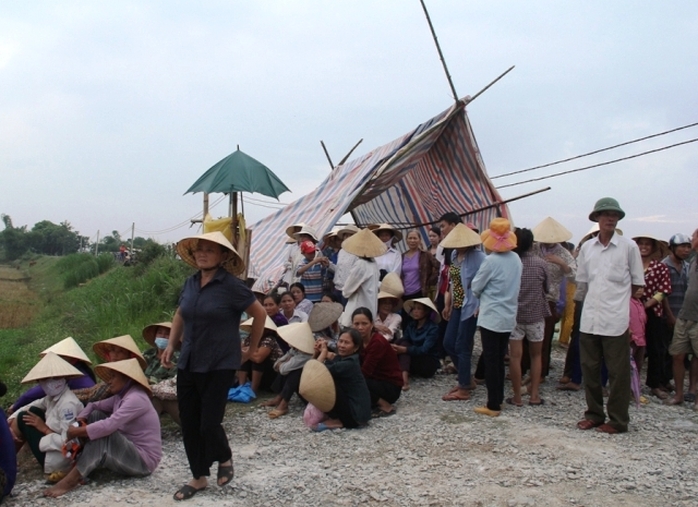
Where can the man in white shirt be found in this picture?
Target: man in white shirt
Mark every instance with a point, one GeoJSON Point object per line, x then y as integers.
{"type": "Point", "coordinates": [611, 267]}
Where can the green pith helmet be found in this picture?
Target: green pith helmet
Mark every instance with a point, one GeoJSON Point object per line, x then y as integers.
{"type": "Point", "coordinates": [606, 204]}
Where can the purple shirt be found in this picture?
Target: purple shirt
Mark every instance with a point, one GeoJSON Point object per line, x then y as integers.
{"type": "Point", "coordinates": [410, 274]}
{"type": "Point", "coordinates": [131, 414]}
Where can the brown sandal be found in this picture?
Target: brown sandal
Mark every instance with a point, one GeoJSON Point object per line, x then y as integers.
{"type": "Point", "coordinates": [587, 424]}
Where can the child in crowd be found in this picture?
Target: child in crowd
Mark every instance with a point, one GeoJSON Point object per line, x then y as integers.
{"type": "Point", "coordinates": [638, 321]}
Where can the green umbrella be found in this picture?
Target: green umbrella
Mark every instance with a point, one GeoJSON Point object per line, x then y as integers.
{"type": "Point", "coordinates": [239, 172]}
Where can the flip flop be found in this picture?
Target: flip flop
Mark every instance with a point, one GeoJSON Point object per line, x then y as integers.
{"type": "Point", "coordinates": [537, 403]}
{"type": "Point", "coordinates": [454, 396]}
{"type": "Point", "coordinates": [689, 397]}
{"type": "Point", "coordinates": [511, 401]}
{"type": "Point", "coordinates": [381, 413]}
{"type": "Point", "coordinates": [187, 492]}
{"type": "Point", "coordinates": [569, 386]}
{"type": "Point", "coordinates": [320, 427]}
{"type": "Point", "coordinates": [587, 424]}
{"type": "Point", "coordinates": [225, 472]}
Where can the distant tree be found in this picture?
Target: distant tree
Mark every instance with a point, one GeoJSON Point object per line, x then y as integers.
{"type": "Point", "coordinates": [51, 239]}
{"type": "Point", "coordinates": [14, 240]}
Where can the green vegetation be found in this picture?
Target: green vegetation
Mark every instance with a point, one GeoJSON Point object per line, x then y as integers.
{"type": "Point", "coordinates": [79, 267]}
{"type": "Point", "coordinates": [123, 300]}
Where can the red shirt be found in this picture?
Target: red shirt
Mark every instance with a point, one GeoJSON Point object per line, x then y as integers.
{"type": "Point", "coordinates": [379, 361]}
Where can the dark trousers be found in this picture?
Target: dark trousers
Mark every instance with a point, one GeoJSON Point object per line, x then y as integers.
{"type": "Point", "coordinates": [615, 351]}
{"type": "Point", "coordinates": [573, 367]}
{"type": "Point", "coordinates": [422, 365]}
{"type": "Point", "coordinates": [443, 324]}
{"type": "Point", "coordinates": [31, 434]}
{"type": "Point", "coordinates": [659, 367]}
{"type": "Point", "coordinates": [202, 399]}
{"type": "Point", "coordinates": [459, 342]}
{"type": "Point", "coordinates": [382, 389]}
{"type": "Point", "coordinates": [267, 369]}
{"type": "Point", "coordinates": [342, 411]}
{"type": "Point", "coordinates": [286, 385]}
{"type": "Point", "coordinates": [494, 348]}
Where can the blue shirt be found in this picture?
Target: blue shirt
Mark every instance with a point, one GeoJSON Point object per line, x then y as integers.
{"type": "Point", "coordinates": [497, 285]}
{"type": "Point", "coordinates": [212, 322]}
{"type": "Point", "coordinates": [468, 268]}
{"type": "Point", "coordinates": [422, 339]}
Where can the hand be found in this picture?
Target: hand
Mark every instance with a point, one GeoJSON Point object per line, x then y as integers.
{"type": "Point", "coordinates": [166, 357]}
{"type": "Point", "coordinates": [37, 422]}
{"type": "Point", "coordinates": [245, 354]}
{"type": "Point", "coordinates": [671, 320]}
{"type": "Point", "coordinates": [446, 313]}
{"type": "Point", "coordinates": [400, 349]}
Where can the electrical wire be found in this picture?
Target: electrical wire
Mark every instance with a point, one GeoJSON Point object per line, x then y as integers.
{"type": "Point", "coordinates": [595, 151]}
{"type": "Point", "coordinates": [600, 164]}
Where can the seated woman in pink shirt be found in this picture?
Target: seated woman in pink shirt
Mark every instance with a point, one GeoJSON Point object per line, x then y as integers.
{"type": "Point", "coordinates": [122, 432]}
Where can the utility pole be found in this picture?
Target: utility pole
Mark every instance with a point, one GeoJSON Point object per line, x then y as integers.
{"type": "Point", "coordinates": [97, 244]}
{"type": "Point", "coordinates": [133, 230]}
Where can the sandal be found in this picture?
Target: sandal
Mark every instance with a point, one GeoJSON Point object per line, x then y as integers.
{"type": "Point", "coordinates": [381, 413]}
{"type": "Point", "coordinates": [186, 492]}
{"type": "Point", "coordinates": [225, 472]}
{"type": "Point", "coordinates": [511, 401]}
{"type": "Point", "coordinates": [320, 427]}
{"type": "Point", "coordinates": [276, 413]}
{"type": "Point", "coordinates": [587, 424]}
{"type": "Point", "coordinates": [455, 396]}
{"type": "Point", "coordinates": [537, 403]}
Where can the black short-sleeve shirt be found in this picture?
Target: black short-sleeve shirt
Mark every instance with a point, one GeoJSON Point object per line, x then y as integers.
{"type": "Point", "coordinates": [212, 322]}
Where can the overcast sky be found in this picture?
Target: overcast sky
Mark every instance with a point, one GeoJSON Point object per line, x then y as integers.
{"type": "Point", "coordinates": [109, 111]}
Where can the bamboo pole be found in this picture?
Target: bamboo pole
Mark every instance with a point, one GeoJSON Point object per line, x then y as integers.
{"type": "Point", "coordinates": [341, 162]}
{"type": "Point", "coordinates": [491, 83]}
{"type": "Point", "coordinates": [327, 154]}
{"type": "Point", "coordinates": [438, 48]}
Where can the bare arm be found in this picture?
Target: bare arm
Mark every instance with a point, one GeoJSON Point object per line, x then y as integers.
{"type": "Point", "coordinates": [175, 341]}
{"type": "Point", "coordinates": [257, 312]}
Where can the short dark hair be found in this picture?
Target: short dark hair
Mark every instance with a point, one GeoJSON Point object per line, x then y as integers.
{"type": "Point", "coordinates": [524, 240]}
{"type": "Point", "coordinates": [299, 285]}
{"type": "Point", "coordinates": [332, 296]}
{"type": "Point", "coordinates": [355, 338]}
{"type": "Point", "coordinates": [451, 217]}
{"type": "Point", "coordinates": [362, 310]}
{"type": "Point", "coordinates": [274, 296]}
{"type": "Point", "coordinates": [436, 229]}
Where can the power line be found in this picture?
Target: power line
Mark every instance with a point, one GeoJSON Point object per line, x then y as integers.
{"type": "Point", "coordinates": [600, 164]}
{"type": "Point", "coordinates": [594, 152]}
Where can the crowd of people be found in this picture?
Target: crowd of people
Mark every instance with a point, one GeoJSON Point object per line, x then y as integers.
{"type": "Point", "coordinates": [353, 320]}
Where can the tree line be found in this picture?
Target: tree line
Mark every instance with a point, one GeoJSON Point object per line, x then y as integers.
{"type": "Point", "coordinates": [48, 238]}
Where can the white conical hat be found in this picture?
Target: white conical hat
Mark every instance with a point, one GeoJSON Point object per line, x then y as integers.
{"type": "Point", "coordinates": [51, 366]}
{"type": "Point", "coordinates": [128, 367]}
{"type": "Point", "coordinates": [364, 244]}
{"type": "Point", "coordinates": [298, 335]}
{"type": "Point", "coordinates": [268, 324]}
{"type": "Point", "coordinates": [186, 247]}
{"type": "Point", "coordinates": [409, 304]}
{"type": "Point", "coordinates": [125, 342]}
{"type": "Point", "coordinates": [392, 284]}
{"type": "Point", "coordinates": [551, 231]}
{"type": "Point", "coordinates": [461, 236]}
{"type": "Point", "coordinates": [323, 315]}
{"type": "Point", "coordinates": [317, 385]}
{"type": "Point", "coordinates": [68, 347]}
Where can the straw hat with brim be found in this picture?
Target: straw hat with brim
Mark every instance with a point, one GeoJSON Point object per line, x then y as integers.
{"type": "Point", "coordinates": [606, 204]}
{"type": "Point", "coordinates": [323, 315]}
{"type": "Point", "coordinates": [409, 304]}
{"type": "Point", "coordinates": [593, 231]}
{"type": "Point", "coordinates": [461, 236]}
{"type": "Point", "coordinates": [128, 367]}
{"type": "Point", "coordinates": [317, 385]}
{"type": "Point", "coordinates": [308, 231]}
{"type": "Point", "coordinates": [499, 237]}
{"type": "Point", "coordinates": [150, 331]}
{"type": "Point", "coordinates": [348, 229]}
{"type": "Point", "coordinates": [68, 348]}
{"type": "Point", "coordinates": [292, 229]}
{"type": "Point", "coordinates": [397, 235]}
{"type": "Point", "coordinates": [392, 284]}
{"type": "Point", "coordinates": [290, 241]}
{"type": "Point", "coordinates": [187, 246]}
{"type": "Point", "coordinates": [388, 295]}
{"type": "Point", "coordinates": [125, 342]}
{"type": "Point", "coordinates": [551, 231]}
{"type": "Point", "coordinates": [52, 366]}
{"type": "Point", "coordinates": [661, 247]}
{"type": "Point", "coordinates": [334, 232]}
{"type": "Point", "coordinates": [268, 324]}
{"type": "Point", "coordinates": [298, 335]}
{"type": "Point", "coordinates": [364, 244]}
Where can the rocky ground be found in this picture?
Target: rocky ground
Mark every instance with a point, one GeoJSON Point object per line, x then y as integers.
{"type": "Point", "coordinates": [431, 453]}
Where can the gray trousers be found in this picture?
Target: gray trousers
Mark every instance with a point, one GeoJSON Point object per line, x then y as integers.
{"type": "Point", "coordinates": [114, 452]}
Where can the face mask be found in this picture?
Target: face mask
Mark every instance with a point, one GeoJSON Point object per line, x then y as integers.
{"type": "Point", "coordinates": [161, 342]}
{"type": "Point", "coordinates": [52, 386]}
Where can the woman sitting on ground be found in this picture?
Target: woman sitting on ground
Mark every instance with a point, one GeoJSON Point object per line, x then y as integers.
{"type": "Point", "coordinates": [158, 336]}
{"type": "Point", "coordinates": [417, 349]}
{"type": "Point", "coordinates": [379, 364]}
{"type": "Point", "coordinates": [41, 423]}
{"type": "Point", "coordinates": [259, 367]}
{"type": "Point", "coordinates": [123, 431]}
{"type": "Point", "coordinates": [352, 408]}
{"type": "Point", "coordinates": [301, 343]}
{"type": "Point", "coordinates": [289, 310]}
{"type": "Point", "coordinates": [271, 306]}
{"type": "Point", "coordinates": [302, 303]}
{"type": "Point", "coordinates": [69, 350]}
{"type": "Point", "coordinates": [323, 321]}
{"type": "Point", "coordinates": [388, 321]}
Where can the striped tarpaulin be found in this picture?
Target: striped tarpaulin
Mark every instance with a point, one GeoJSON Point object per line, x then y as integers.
{"type": "Point", "coordinates": [434, 169]}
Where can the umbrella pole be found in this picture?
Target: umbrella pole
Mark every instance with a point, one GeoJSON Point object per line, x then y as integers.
{"type": "Point", "coordinates": [234, 215]}
{"type": "Point", "coordinates": [205, 204]}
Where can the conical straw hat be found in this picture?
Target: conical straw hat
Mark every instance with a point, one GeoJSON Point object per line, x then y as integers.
{"type": "Point", "coordinates": [661, 247]}
{"type": "Point", "coordinates": [317, 385]}
{"type": "Point", "coordinates": [150, 331]}
{"type": "Point", "coordinates": [268, 324]}
{"type": "Point", "coordinates": [51, 366]}
{"type": "Point", "coordinates": [128, 367]}
{"type": "Point", "coordinates": [397, 235]}
{"type": "Point", "coordinates": [409, 304]}
{"type": "Point", "coordinates": [125, 342]}
{"type": "Point", "coordinates": [364, 244]}
{"type": "Point", "coordinates": [68, 348]}
{"type": "Point", "coordinates": [388, 295]}
{"type": "Point", "coordinates": [461, 236]}
{"type": "Point", "coordinates": [551, 231]}
{"type": "Point", "coordinates": [298, 335]}
{"type": "Point", "coordinates": [348, 229]}
{"type": "Point", "coordinates": [392, 284]}
{"type": "Point", "coordinates": [187, 246]}
{"type": "Point", "coordinates": [323, 315]}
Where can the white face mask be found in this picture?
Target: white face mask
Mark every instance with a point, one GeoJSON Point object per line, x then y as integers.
{"type": "Point", "coordinates": [53, 386]}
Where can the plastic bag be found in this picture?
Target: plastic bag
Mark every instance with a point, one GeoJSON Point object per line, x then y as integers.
{"type": "Point", "coordinates": [242, 394]}
{"type": "Point", "coordinates": [313, 415]}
